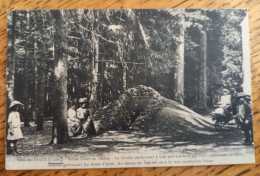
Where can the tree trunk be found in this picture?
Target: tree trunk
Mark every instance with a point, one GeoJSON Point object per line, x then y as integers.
{"type": "Point", "coordinates": [41, 96]}
{"type": "Point", "coordinates": [179, 69]}
{"type": "Point", "coordinates": [26, 75]}
{"type": "Point", "coordinates": [203, 73]}
{"type": "Point", "coordinates": [35, 97]}
{"type": "Point", "coordinates": [94, 83]}
{"type": "Point", "coordinates": [41, 83]}
{"type": "Point", "coordinates": [49, 82]}
{"type": "Point", "coordinates": [100, 87]}
{"type": "Point", "coordinates": [60, 124]}
{"type": "Point", "coordinates": [11, 58]}
{"type": "Point", "coordinates": [124, 66]}
{"type": "Point", "coordinates": [10, 62]}
{"type": "Point", "coordinates": [124, 78]}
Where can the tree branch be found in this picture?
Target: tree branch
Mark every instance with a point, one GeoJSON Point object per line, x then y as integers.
{"type": "Point", "coordinates": [99, 36]}
{"type": "Point", "coordinates": [136, 63]}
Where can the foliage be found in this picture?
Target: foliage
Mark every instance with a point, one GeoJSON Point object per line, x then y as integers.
{"type": "Point", "coordinates": [108, 48]}
{"type": "Point", "coordinates": [232, 49]}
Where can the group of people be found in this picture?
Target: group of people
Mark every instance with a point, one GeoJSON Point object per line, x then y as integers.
{"type": "Point", "coordinates": [242, 112]}
{"type": "Point", "coordinates": [79, 123]}
{"type": "Point", "coordinates": [80, 120]}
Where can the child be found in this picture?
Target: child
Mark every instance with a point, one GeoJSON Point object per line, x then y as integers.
{"type": "Point", "coordinates": [14, 128]}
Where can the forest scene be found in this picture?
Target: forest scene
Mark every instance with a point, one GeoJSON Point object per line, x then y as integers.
{"type": "Point", "coordinates": [148, 79]}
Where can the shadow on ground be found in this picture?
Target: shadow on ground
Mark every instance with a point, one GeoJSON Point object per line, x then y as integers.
{"type": "Point", "coordinates": [36, 143]}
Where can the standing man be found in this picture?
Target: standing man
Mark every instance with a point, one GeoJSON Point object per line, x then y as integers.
{"type": "Point", "coordinates": [234, 100]}
{"type": "Point", "coordinates": [234, 103]}
{"type": "Point", "coordinates": [244, 118]}
{"type": "Point", "coordinates": [250, 117]}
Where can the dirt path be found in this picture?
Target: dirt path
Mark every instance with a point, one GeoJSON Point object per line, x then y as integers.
{"type": "Point", "coordinates": [36, 143]}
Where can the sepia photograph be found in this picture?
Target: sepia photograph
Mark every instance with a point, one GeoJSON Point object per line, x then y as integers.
{"type": "Point", "coordinates": [128, 88]}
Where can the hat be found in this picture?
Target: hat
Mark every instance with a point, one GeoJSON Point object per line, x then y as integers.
{"type": "Point", "coordinates": [72, 101]}
{"type": "Point", "coordinates": [83, 100]}
{"type": "Point", "coordinates": [15, 102]}
{"type": "Point", "coordinates": [232, 89]}
{"type": "Point", "coordinates": [241, 95]}
{"type": "Point", "coordinates": [248, 97]}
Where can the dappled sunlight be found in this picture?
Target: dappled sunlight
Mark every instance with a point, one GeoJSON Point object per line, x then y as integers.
{"type": "Point", "coordinates": [181, 143]}
{"type": "Point", "coordinates": [137, 141]}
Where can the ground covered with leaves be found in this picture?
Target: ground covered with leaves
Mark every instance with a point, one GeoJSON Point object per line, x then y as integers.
{"type": "Point", "coordinates": [36, 143]}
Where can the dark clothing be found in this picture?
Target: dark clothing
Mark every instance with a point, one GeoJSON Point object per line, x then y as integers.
{"type": "Point", "coordinates": [86, 119]}
{"type": "Point", "coordinates": [234, 102]}
{"type": "Point", "coordinates": [89, 127]}
{"type": "Point", "coordinates": [12, 147]}
{"type": "Point", "coordinates": [247, 128]}
{"type": "Point", "coordinates": [244, 119]}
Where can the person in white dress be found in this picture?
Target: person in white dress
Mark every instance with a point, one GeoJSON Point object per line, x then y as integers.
{"type": "Point", "coordinates": [74, 124]}
{"type": "Point", "coordinates": [14, 128]}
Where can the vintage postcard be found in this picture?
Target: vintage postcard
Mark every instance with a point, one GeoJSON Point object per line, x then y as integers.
{"type": "Point", "coordinates": [128, 88]}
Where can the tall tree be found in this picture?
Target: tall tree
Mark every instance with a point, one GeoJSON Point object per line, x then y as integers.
{"type": "Point", "coordinates": [60, 125]}
{"type": "Point", "coordinates": [203, 70]}
{"type": "Point", "coordinates": [179, 74]}
{"type": "Point", "coordinates": [165, 54]}
{"type": "Point", "coordinates": [41, 68]}
{"type": "Point", "coordinates": [26, 72]}
{"type": "Point", "coordinates": [35, 64]}
{"type": "Point", "coordinates": [12, 15]}
{"type": "Point", "coordinates": [196, 59]}
{"type": "Point", "coordinates": [94, 64]}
